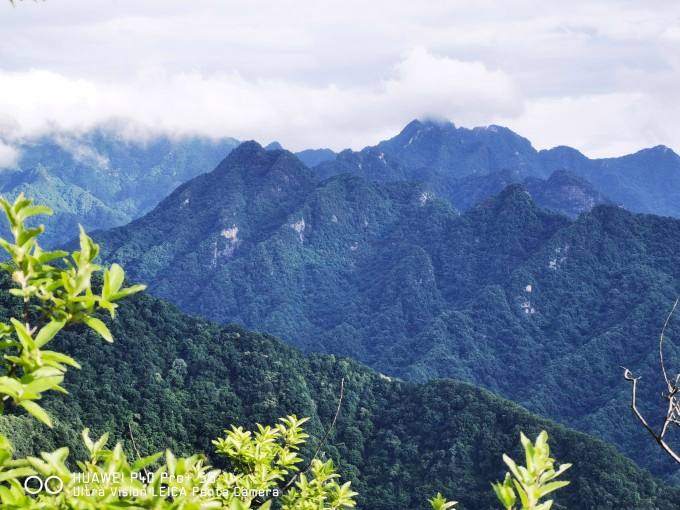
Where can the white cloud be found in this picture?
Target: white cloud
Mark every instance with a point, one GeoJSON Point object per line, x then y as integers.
{"type": "Point", "coordinates": [8, 156]}
{"type": "Point", "coordinates": [600, 74]}
{"type": "Point", "coordinates": [81, 152]}
{"type": "Point", "coordinates": [600, 125]}
{"type": "Point", "coordinates": [612, 120]}
{"type": "Point", "coordinates": [299, 115]}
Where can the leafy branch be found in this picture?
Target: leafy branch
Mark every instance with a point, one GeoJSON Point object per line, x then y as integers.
{"type": "Point", "coordinates": [55, 289]}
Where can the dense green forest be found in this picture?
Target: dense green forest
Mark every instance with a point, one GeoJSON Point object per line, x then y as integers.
{"type": "Point", "coordinates": [508, 296]}
{"type": "Point", "coordinates": [177, 381]}
{"type": "Point", "coordinates": [391, 275]}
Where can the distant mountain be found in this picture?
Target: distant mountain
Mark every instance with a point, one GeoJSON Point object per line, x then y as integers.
{"type": "Point", "coordinates": [565, 193]}
{"type": "Point", "coordinates": [310, 157]}
{"type": "Point", "coordinates": [101, 180]}
{"type": "Point", "coordinates": [445, 158]}
{"type": "Point", "coordinates": [647, 181]}
{"type": "Point", "coordinates": [273, 146]}
{"type": "Point", "coordinates": [508, 296]}
{"type": "Point", "coordinates": [178, 381]}
{"type": "Point", "coordinates": [439, 153]}
{"type": "Point", "coordinates": [562, 192]}
{"type": "Point", "coordinates": [313, 157]}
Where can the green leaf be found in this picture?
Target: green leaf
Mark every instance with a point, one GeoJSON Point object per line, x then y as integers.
{"type": "Point", "coordinates": [146, 461]}
{"type": "Point", "coordinates": [113, 280]}
{"type": "Point", "coordinates": [127, 291]}
{"type": "Point", "coordinates": [37, 412]}
{"type": "Point", "coordinates": [85, 434]}
{"type": "Point", "coordinates": [44, 383]}
{"type": "Point", "coordinates": [236, 504]}
{"type": "Point", "coordinates": [98, 326]}
{"type": "Point", "coordinates": [171, 462]}
{"type": "Point", "coordinates": [439, 502]}
{"type": "Point", "coordinates": [11, 387]}
{"type": "Point", "coordinates": [59, 358]}
{"type": "Point", "coordinates": [48, 332]}
{"type": "Point", "coordinates": [16, 473]}
{"type": "Point", "coordinates": [48, 256]}
{"type": "Point", "coordinates": [552, 486]}
{"type": "Point", "coordinates": [101, 442]}
{"type": "Point", "coordinates": [22, 333]}
{"type": "Point", "coordinates": [34, 210]}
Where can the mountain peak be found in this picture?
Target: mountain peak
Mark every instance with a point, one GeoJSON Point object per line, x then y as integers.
{"type": "Point", "coordinates": [563, 150]}
{"type": "Point", "coordinates": [664, 151]}
{"type": "Point", "coordinates": [514, 192]}
{"type": "Point", "coordinates": [414, 124]}
{"type": "Point", "coordinates": [439, 123]}
{"type": "Point", "coordinates": [417, 125]}
{"type": "Point", "coordinates": [513, 198]}
{"type": "Point", "coordinates": [313, 157]}
{"type": "Point", "coordinates": [565, 192]}
{"type": "Point", "coordinates": [247, 147]}
{"type": "Point", "coordinates": [658, 151]}
{"type": "Point", "coordinates": [274, 146]}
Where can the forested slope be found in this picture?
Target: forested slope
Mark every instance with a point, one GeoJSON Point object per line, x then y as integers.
{"type": "Point", "coordinates": [176, 381]}
{"type": "Point", "coordinates": [508, 296]}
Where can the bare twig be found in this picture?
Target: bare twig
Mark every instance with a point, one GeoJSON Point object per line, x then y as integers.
{"type": "Point", "coordinates": [328, 430]}
{"type": "Point", "coordinates": [673, 409]}
{"type": "Point", "coordinates": [323, 439]}
{"type": "Point", "coordinates": [132, 438]}
{"type": "Point", "coordinates": [134, 447]}
{"type": "Point", "coordinates": [661, 338]}
{"type": "Point", "coordinates": [628, 375]}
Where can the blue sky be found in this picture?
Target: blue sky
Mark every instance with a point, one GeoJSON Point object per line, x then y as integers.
{"type": "Point", "coordinates": [602, 76]}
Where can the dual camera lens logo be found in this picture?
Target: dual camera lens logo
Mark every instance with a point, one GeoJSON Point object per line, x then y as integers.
{"type": "Point", "coordinates": [51, 485]}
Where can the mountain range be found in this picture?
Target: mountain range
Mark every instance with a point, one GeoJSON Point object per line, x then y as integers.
{"type": "Point", "coordinates": [441, 155]}
{"type": "Point", "coordinates": [522, 301]}
{"type": "Point", "coordinates": [100, 179]}
{"type": "Point", "coordinates": [177, 381]}
{"type": "Point", "coordinates": [443, 252]}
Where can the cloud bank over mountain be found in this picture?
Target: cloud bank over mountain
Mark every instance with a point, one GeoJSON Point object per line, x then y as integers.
{"type": "Point", "coordinates": [300, 72]}
{"type": "Point", "coordinates": [300, 114]}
